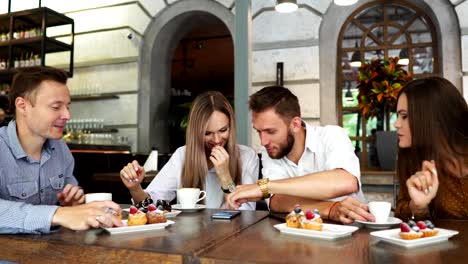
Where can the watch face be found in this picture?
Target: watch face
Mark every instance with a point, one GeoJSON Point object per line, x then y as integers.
{"type": "Point", "coordinates": [231, 187]}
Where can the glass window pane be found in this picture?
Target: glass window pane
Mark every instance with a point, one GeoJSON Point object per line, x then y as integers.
{"type": "Point", "coordinates": [374, 54]}
{"type": "Point", "coordinates": [399, 14]}
{"type": "Point", "coordinates": [352, 36]}
{"type": "Point", "coordinates": [422, 60]}
{"type": "Point", "coordinates": [391, 33]}
{"type": "Point", "coordinates": [349, 94]}
{"type": "Point", "coordinates": [350, 123]}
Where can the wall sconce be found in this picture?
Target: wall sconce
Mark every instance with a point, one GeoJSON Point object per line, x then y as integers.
{"type": "Point", "coordinates": [345, 2]}
{"type": "Point", "coordinates": [279, 74]}
{"type": "Point", "coordinates": [286, 6]}
{"type": "Point", "coordinates": [404, 58]}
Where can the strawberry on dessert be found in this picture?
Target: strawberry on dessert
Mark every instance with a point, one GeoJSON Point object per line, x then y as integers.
{"type": "Point", "coordinates": [136, 217]}
{"type": "Point", "coordinates": [427, 228]}
{"type": "Point", "coordinates": [409, 233]}
{"type": "Point", "coordinates": [155, 214]}
{"type": "Point", "coordinates": [312, 221]}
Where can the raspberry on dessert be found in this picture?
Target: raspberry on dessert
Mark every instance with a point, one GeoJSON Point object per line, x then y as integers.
{"type": "Point", "coordinates": [404, 227]}
{"type": "Point", "coordinates": [133, 209]}
{"type": "Point", "coordinates": [152, 207]}
{"type": "Point", "coordinates": [309, 215]}
{"type": "Point", "coordinates": [421, 225]}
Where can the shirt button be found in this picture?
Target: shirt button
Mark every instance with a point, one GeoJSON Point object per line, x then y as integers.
{"type": "Point", "coordinates": [23, 194]}
{"type": "Point", "coordinates": [61, 176]}
{"type": "Point", "coordinates": [42, 190]}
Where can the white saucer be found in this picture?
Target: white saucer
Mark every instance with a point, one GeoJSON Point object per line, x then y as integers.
{"type": "Point", "coordinates": [391, 221]}
{"type": "Point", "coordinates": [196, 208]}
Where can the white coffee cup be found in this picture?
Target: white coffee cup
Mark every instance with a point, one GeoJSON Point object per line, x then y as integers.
{"type": "Point", "coordinates": [91, 197]}
{"type": "Point", "coordinates": [380, 210]}
{"type": "Point", "coordinates": [189, 197]}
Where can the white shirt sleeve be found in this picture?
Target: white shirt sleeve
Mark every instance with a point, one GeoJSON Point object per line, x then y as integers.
{"type": "Point", "coordinates": [249, 171]}
{"type": "Point", "coordinates": [164, 186]}
{"type": "Point", "coordinates": [340, 151]}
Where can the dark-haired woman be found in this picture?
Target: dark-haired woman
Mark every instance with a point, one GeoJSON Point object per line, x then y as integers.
{"type": "Point", "coordinates": [432, 166]}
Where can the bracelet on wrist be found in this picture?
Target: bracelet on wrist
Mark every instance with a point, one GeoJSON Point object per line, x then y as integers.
{"type": "Point", "coordinates": [331, 207]}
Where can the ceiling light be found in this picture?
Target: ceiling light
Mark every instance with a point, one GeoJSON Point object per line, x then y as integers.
{"type": "Point", "coordinates": [286, 6]}
{"type": "Point", "coordinates": [345, 2]}
{"type": "Point", "coordinates": [404, 60]}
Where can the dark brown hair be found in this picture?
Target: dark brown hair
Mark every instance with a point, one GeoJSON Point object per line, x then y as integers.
{"type": "Point", "coordinates": [27, 80]}
{"type": "Point", "coordinates": [438, 120]}
{"type": "Point", "coordinates": [196, 166]}
{"type": "Point", "coordinates": [279, 98]}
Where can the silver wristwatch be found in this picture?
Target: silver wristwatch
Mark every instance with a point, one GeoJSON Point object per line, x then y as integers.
{"type": "Point", "coordinates": [230, 188]}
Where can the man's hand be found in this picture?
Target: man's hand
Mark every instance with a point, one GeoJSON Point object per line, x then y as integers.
{"type": "Point", "coordinates": [350, 209]}
{"type": "Point", "coordinates": [71, 195]}
{"type": "Point", "coordinates": [244, 193]}
{"type": "Point", "coordinates": [85, 216]}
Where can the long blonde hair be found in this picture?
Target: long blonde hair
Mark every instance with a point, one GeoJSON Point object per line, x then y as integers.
{"type": "Point", "coordinates": [196, 166]}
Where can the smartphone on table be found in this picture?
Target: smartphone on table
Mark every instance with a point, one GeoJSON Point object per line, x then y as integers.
{"type": "Point", "coordinates": [226, 214]}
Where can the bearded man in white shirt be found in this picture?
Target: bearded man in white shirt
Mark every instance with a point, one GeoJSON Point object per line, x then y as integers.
{"type": "Point", "coordinates": [312, 166]}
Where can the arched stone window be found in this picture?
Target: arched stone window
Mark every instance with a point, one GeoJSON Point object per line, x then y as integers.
{"type": "Point", "coordinates": [380, 29]}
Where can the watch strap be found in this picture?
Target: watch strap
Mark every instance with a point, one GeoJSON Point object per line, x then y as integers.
{"type": "Point", "coordinates": [230, 188]}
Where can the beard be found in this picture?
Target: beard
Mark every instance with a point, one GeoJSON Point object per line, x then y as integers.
{"type": "Point", "coordinates": [284, 150]}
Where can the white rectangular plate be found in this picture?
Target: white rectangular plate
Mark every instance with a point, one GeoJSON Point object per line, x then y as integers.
{"type": "Point", "coordinates": [328, 232]}
{"type": "Point", "coordinates": [393, 236]}
{"type": "Point", "coordinates": [173, 213]}
{"type": "Point", "coordinates": [148, 227]}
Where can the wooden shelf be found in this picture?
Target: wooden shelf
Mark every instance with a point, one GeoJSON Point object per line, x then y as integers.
{"type": "Point", "coordinates": [42, 18]}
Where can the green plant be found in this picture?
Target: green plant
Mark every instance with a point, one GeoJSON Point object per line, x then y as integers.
{"type": "Point", "coordinates": [379, 83]}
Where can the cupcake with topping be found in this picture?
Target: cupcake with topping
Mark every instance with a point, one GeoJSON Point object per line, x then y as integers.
{"type": "Point", "coordinates": [293, 219]}
{"type": "Point", "coordinates": [409, 233]}
{"type": "Point", "coordinates": [312, 221]}
{"type": "Point", "coordinates": [427, 228]}
{"type": "Point", "coordinates": [136, 217]}
{"type": "Point", "coordinates": [155, 215]}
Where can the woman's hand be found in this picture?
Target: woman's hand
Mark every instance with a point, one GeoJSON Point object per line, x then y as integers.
{"type": "Point", "coordinates": [423, 186]}
{"type": "Point", "coordinates": [132, 175]}
{"type": "Point", "coordinates": [220, 159]}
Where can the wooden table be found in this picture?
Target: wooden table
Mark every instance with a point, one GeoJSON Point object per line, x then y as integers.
{"type": "Point", "coordinates": [192, 234]}
{"type": "Point", "coordinates": [196, 238]}
{"type": "Point", "coordinates": [264, 244]}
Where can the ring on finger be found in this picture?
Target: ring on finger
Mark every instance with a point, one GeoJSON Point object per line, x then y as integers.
{"type": "Point", "coordinates": [98, 218]}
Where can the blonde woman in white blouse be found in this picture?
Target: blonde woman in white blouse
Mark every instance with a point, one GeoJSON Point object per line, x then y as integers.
{"type": "Point", "coordinates": [211, 159]}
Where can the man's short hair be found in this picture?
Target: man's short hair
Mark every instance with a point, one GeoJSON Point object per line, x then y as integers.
{"type": "Point", "coordinates": [279, 98]}
{"type": "Point", "coordinates": [27, 80]}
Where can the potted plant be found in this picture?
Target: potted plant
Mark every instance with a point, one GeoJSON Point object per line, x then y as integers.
{"type": "Point", "coordinates": [379, 83]}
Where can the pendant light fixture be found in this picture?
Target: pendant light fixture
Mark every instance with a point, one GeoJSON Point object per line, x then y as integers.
{"type": "Point", "coordinates": [345, 2]}
{"type": "Point", "coordinates": [286, 6]}
{"type": "Point", "coordinates": [404, 58]}
{"type": "Point", "coordinates": [356, 58]}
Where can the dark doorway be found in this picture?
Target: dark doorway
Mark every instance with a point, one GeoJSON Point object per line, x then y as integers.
{"type": "Point", "coordinates": [202, 61]}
